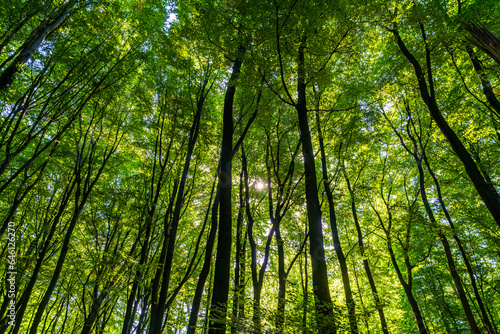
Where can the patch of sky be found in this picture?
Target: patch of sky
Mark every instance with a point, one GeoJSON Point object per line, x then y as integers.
{"type": "Point", "coordinates": [171, 18]}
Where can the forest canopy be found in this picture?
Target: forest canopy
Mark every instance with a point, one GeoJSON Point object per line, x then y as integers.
{"type": "Point", "coordinates": [236, 166]}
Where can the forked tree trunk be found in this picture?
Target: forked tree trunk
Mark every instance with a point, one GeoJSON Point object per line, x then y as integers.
{"type": "Point", "coordinates": [487, 193]}
{"type": "Point", "coordinates": [158, 312]}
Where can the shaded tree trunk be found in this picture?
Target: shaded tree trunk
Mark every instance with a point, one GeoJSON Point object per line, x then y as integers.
{"type": "Point", "coordinates": [414, 152]}
{"type": "Point", "coordinates": [487, 193]}
{"type": "Point", "coordinates": [350, 303]}
{"type": "Point", "coordinates": [33, 42]}
{"type": "Point", "coordinates": [366, 264]}
{"type": "Point", "coordinates": [158, 310]}
{"type": "Point", "coordinates": [239, 267]}
{"type": "Point", "coordinates": [224, 239]}
{"type": "Point", "coordinates": [324, 306]}
{"type": "Point", "coordinates": [84, 186]}
{"type": "Point", "coordinates": [408, 283]}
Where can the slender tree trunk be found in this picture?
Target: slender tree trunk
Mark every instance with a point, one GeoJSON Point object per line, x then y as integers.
{"type": "Point", "coordinates": [324, 306]}
{"type": "Point", "coordinates": [305, 294]}
{"type": "Point", "coordinates": [239, 267]}
{"type": "Point", "coordinates": [407, 285]}
{"type": "Point", "coordinates": [224, 240]}
{"type": "Point", "coordinates": [24, 299]}
{"type": "Point", "coordinates": [94, 309]}
{"type": "Point", "coordinates": [413, 151]}
{"type": "Point", "coordinates": [57, 271]}
{"type": "Point", "coordinates": [12, 31]}
{"type": "Point", "coordinates": [257, 277]}
{"type": "Point", "coordinates": [154, 196]}
{"type": "Point", "coordinates": [193, 317]}
{"type": "Point", "coordinates": [488, 194]}
{"type": "Point", "coordinates": [29, 49]}
{"type": "Point", "coordinates": [351, 304]}
{"type": "Point", "coordinates": [366, 264]}
{"type": "Point", "coordinates": [205, 270]}
{"type": "Point", "coordinates": [156, 286]}
{"type": "Point", "coordinates": [485, 83]}
{"type": "Point", "coordinates": [280, 314]}
{"type": "Point", "coordinates": [84, 186]}
{"type": "Point", "coordinates": [463, 253]}
{"type": "Point", "coordinates": [131, 301]}
{"type": "Point", "coordinates": [157, 314]}
{"type": "Point", "coordinates": [407, 288]}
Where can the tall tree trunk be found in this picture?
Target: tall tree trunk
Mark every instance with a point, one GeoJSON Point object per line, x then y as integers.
{"type": "Point", "coordinates": [224, 239]}
{"type": "Point", "coordinates": [257, 277]}
{"type": "Point", "coordinates": [414, 152]}
{"type": "Point", "coordinates": [304, 277]}
{"type": "Point", "coordinates": [85, 182]}
{"type": "Point", "coordinates": [205, 270]}
{"type": "Point", "coordinates": [408, 284]}
{"type": "Point", "coordinates": [463, 253]}
{"type": "Point", "coordinates": [323, 301]}
{"type": "Point", "coordinates": [94, 308]}
{"type": "Point", "coordinates": [239, 267]}
{"type": "Point", "coordinates": [449, 256]}
{"type": "Point", "coordinates": [280, 313]}
{"type": "Point", "coordinates": [154, 196]}
{"type": "Point", "coordinates": [193, 317]}
{"type": "Point", "coordinates": [157, 313]}
{"type": "Point", "coordinates": [41, 257]}
{"type": "Point", "coordinates": [485, 83]}
{"type": "Point", "coordinates": [351, 304]}
{"type": "Point", "coordinates": [488, 194]}
{"type": "Point", "coordinates": [366, 264]}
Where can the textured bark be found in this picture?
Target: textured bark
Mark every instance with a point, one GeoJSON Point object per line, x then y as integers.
{"type": "Point", "coordinates": [484, 39]}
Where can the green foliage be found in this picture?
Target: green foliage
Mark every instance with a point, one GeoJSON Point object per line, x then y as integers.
{"type": "Point", "coordinates": [110, 96]}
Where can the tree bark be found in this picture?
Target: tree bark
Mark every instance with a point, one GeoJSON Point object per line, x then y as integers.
{"type": "Point", "coordinates": [29, 48]}
{"type": "Point", "coordinates": [417, 156]}
{"type": "Point", "coordinates": [224, 240]}
{"type": "Point", "coordinates": [324, 306]}
{"type": "Point", "coordinates": [157, 313]}
{"type": "Point", "coordinates": [487, 193]}
{"type": "Point", "coordinates": [350, 303]}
